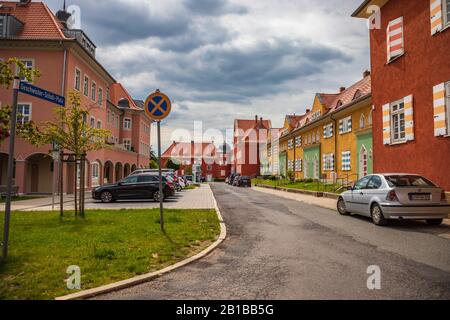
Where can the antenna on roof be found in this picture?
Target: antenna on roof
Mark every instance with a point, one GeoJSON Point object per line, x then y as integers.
{"type": "Point", "coordinates": [64, 5]}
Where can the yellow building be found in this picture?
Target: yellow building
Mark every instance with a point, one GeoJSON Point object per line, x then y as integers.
{"type": "Point", "coordinates": [333, 140]}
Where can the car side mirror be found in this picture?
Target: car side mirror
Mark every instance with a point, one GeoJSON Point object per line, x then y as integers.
{"type": "Point", "coordinates": [120, 183]}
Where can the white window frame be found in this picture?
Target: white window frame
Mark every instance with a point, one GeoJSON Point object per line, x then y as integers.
{"type": "Point", "coordinates": [100, 96]}
{"type": "Point", "coordinates": [127, 142]}
{"type": "Point", "coordinates": [99, 124]}
{"type": "Point", "coordinates": [447, 105]}
{"type": "Point", "coordinates": [328, 162]}
{"type": "Point", "coordinates": [345, 167]}
{"type": "Point", "coordinates": [396, 114]}
{"type": "Point", "coordinates": [77, 87]}
{"type": "Point", "coordinates": [328, 131]}
{"type": "Point", "coordinates": [345, 125]}
{"type": "Point", "coordinates": [291, 144]}
{"type": "Point", "coordinates": [445, 12]}
{"type": "Point", "coordinates": [298, 141]}
{"type": "Point", "coordinates": [362, 121]}
{"type": "Point", "coordinates": [20, 104]}
{"type": "Point", "coordinates": [25, 61]}
{"type": "Point", "coordinates": [92, 122]}
{"type": "Point", "coordinates": [125, 121]}
{"type": "Point", "coordinates": [370, 118]}
{"type": "Point", "coordinates": [94, 91]}
{"type": "Point", "coordinates": [86, 85]}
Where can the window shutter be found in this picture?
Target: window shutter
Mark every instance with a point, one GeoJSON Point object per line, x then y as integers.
{"type": "Point", "coordinates": [341, 126]}
{"type": "Point", "coordinates": [436, 16]}
{"type": "Point", "coordinates": [440, 128]}
{"type": "Point", "coordinates": [331, 130]}
{"type": "Point", "coordinates": [409, 118]}
{"type": "Point", "coordinates": [332, 162]}
{"type": "Point", "coordinates": [395, 38]}
{"type": "Point", "coordinates": [387, 124]}
{"type": "Point", "coordinates": [349, 124]}
{"type": "Point", "coordinates": [325, 134]}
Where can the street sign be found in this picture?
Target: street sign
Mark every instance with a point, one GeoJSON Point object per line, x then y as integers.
{"type": "Point", "coordinates": [42, 94]}
{"type": "Point", "coordinates": [158, 106]}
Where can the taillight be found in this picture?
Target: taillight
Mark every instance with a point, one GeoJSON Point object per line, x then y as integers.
{"type": "Point", "coordinates": [392, 196]}
{"type": "Point", "coordinates": [443, 196]}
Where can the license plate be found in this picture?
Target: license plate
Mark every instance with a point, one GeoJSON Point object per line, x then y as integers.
{"type": "Point", "coordinates": [420, 197]}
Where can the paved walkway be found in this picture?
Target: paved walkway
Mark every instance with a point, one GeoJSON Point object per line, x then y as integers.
{"type": "Point", "coordinates": [200, 198]}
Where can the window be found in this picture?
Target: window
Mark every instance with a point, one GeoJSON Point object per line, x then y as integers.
{"type": "Point", "coordinates": [446, 12]}
{"type": "Point", "coordinates": [131, 180]}
{"type": "Point", "coordinates": [370, 117]}
{"type": "Point", "coordinates": [362, 121]}
{"type": "Point", "coordinates": [94, 91]}
{"type": "Point", "coordinates": [358, 94]}
{"type": "Point", "coordinates": [86, 86]}
{"type": "Point", "coordinates": [315, 115]}
{"type": "Point", "coordinates": [23, 112]}
{"type": "Point", "coordinates": [29, 65]}
{"type": "Point", "coordinates": [328, 162]}
{"type": "Point", "coordinates": [99, 124]}
{"type": "Point", "coordinates": [374, 183]}
{"type": "Point", "coordinates": [395, 43]}
{"type": "Point", "coordinates": [95, 171]}
{"type": "Point", "coordinates": [298, 141]}
{"type": "Point", "coordinates": [92, 122]}
{"type": "Point", "coordinates": [345, 125]}
{"type": "Point", "coordinates": [291, 144]}
{"type": "Point", "coordinates": [346, 162]}
{"type": "Point", "coordinates": [100, 96]}
{"type": "Point", "coordinates": [77, 79]}
{"type": "Point", "coordinates": [328, 131]}
{"type": "Point", "coordinates": [209, 168]}
{"type": "Point", "coordinates": [362, 184]}
{"type": "Point", "coordinates": [108, 116]}
{"type": "Point", "coordinates": [318, 136]}
{"type": "Point", "coordinates": [290, 165]}
{"type": "Point", "coordinates": [127, 123]}
{"type": "Point", "coordinates": [298, 165]}
{"type": "Point", "coordinates": [447, 101]}
{"type": "Point", "coordinates": [127, 144]}
{"type": "Point", "coordinates": [398, 133]}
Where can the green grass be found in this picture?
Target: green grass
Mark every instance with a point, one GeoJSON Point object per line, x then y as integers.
{"type": "Point", "coordinates": [108, 246]}
{"type": "Point", "coordinates": [20, 198]}
{"type": "Point", "coordinates": [191, 187]}
{"type": "Point", "coordinates": [301, 185]}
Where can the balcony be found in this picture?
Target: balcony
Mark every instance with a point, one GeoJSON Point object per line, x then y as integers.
{"type": "Point", "coordinates": [82, 39]}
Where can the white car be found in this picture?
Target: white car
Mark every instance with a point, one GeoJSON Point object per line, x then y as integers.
{"type": "Point", "coordinates": [395, 196]}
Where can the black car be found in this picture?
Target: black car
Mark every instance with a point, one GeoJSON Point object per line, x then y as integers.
{"type": "Point", "coordinates": [140, 186]}
{"type": "Point", "coordinates": [244, 182]}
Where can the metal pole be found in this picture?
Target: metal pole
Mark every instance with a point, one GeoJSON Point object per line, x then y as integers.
{"type": "Point", "coordinates": [61, 182]}
{"type": "Point", "coordinates": [9, 184]}
{"type": "Point", "coordinates": [161, 196]}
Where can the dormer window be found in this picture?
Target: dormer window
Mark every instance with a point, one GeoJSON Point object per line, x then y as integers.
{"type": "Point", "coordinates": [339, 104]}
{"type": "Point", "coordinates": [358, 94]}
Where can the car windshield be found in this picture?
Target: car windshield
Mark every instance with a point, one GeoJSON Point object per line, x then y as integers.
{"type": "Point", "coordinates": [408, 181]}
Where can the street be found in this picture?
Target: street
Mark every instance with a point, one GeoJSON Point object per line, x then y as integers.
{"type": "Point", "coordinates": [279, 248]}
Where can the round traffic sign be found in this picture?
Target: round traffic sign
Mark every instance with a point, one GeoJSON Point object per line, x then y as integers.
{"type": "Point", "coordinates": [158, 106]}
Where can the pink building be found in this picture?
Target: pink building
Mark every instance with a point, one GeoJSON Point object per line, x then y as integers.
{"type": "Point", "coordinates": [66, 60]}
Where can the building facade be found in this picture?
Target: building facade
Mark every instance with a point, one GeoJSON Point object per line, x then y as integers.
{"type": "Point", "coordinates": [214, 163]}
{"type": "Point", "coordinates": [332, 140]}
{"type": "Point", "coordinates": [411, 87]}
{"type": "Point", "coordinates": [66, 60]}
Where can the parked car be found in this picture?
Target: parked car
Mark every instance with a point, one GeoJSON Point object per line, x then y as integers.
{"type": "Point", "coordinates": [153, 171]}
{"type": "Point", "coordinates": [395, 196]}
{"type": "Point", "coordinates": [232, 178]}
{"type": "Point", "coordinates": [141, 186]}
{"type": "Point", "coordinates": [236, 180]}
{"type": "Point", "coordinates": [244, 182]}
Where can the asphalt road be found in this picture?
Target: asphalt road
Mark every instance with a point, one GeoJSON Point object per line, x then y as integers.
{"type": "Point", "coordinates": [284, 249]}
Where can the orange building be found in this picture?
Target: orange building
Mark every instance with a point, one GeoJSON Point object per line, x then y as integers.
{"type": "Point", "coordinates": [66, 60]}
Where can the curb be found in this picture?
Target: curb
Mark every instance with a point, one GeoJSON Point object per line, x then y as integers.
{"type": "Point", "coordinates": [153, 275]}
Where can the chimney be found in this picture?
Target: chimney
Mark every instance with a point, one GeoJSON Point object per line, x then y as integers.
{"type": "Point", "coordinates": [342, 89]}
{"type": "Point", "coordinates": [256, 119]}
{"type": "Point", "coordinates": [63, 16]}
{"type": "Point", "coordinates": [366, 73]}
{"type": "Point", "coordinates": [308, 110]}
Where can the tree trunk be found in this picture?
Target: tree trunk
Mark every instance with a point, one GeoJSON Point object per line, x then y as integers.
{"type": "Point", "coordinates": [82, 185]}
{"type": "Point", "coordinates": [75, 190]}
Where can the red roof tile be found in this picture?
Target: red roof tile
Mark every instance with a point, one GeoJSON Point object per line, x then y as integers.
{"type": "Point", "coordinates": [39, 21]}
{"type": "Point", "coordinates": [182, 149]}
{"type": "Point", "coordinates": [117, 92]}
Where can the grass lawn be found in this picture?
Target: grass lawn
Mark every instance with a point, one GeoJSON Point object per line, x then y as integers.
{"type": "Point", "coordinates": [108, 246]}
{"type": "Point", "coordinates": [20, 198]}
{"type": "Point", "coordinates": [310, 186]}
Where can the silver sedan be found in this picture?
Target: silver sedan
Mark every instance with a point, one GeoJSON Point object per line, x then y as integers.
{"type": "Point", "coordinates": [395, 196]}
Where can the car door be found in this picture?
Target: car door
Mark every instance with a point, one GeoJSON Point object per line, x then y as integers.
{"type": "Point", "coordinates": [128, 188]}
{"type": "Point", "coordinates": [358, 195]}
{"type": "Point", "coordinates": [371, 191]}
{"type": "Point", "coordinates": [148, 186]}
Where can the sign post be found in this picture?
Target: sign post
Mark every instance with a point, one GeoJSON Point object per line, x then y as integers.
{"type": "Point", "coordinates": [158, 107]}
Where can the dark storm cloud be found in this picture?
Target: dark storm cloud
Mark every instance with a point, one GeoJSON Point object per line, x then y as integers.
{"type": "Point", "coordinates": [213, 7]}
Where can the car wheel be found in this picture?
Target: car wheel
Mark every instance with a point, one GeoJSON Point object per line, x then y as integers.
{"type": "Point", "coordinates": [341, 207]}
{"type": "Point", "coordinates": [107, 197]}
{"type": "Point", "coordinates": [377, 216]}
{"type": "Point", "coordinates": [435, 222]}
{"type": "Point", "coordinates": [156, 196]}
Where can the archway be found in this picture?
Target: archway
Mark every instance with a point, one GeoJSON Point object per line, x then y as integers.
{"type": "Point", "coordinates": [96, 170]}
{"type": "Point", "coordinates": [118, 171]}
{"type": "Point", "coordinates": [133, 168]}
{"type": "Point", "coordinates": [126, 170]}
{"type": "Point", "coordinates": [39, 174]}
{"type": "Point", "coordinates": [108, 172]}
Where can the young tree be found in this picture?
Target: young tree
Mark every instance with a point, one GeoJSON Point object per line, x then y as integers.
{"type": "Point", "coordinates": [72, 132]}
{"type": "Point", "coordinates": [8, 69]}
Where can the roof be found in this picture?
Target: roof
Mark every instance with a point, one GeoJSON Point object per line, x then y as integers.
{"type": "Point", "coordinates": [327, 99]}
{"type": "Point", "coordinates": [246, 125]}
{"type": "Point", "coordinates": [39, 22]}
{"type": "Point", "coordinates": [293, 120]}
{"type": "Point", "coordinates": [362, 12]}
{"type": "Point", "coordinates": [118, 92]}
{"type": "Point", "coordinates": [190, 149]}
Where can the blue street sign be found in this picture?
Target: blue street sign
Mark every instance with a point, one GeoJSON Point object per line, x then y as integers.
{"type": "Point", "coordinates": [42, 94]}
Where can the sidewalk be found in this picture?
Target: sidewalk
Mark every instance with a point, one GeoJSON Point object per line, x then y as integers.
{"type": "Point", "coordinates": [316, 201]}
{"type": "Point", "coordinates": [199, 198]}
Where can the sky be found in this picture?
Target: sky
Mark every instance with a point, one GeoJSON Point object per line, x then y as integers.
{"type": "Point", "coordinates": [219, 60]}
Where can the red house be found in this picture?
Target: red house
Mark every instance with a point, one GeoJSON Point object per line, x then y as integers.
{"type": "Point", "coordinates": [410, 50]}
{"type": "Point", "coordinates": [214, 163]}
{"type": "Point", "coordinates": [250, 139]}
{"type": "Point", "coordinates": [67, 61]}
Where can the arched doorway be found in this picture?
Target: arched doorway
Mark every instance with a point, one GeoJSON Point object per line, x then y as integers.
{"type": "Point", "coordinates": [363, 167]}
{"type": "Point", "coordinates": [39, 174]}
{"type": "Point", "coordinates": [118, 171]}
{"type": "Point", "coordinates": [133, 168]}
{"type": "Point", "coordinates": [126, 170]}
{"type": "Point", "coordinates": [108, 172]}
{"type": "Point", "coordinates": [96, 170]}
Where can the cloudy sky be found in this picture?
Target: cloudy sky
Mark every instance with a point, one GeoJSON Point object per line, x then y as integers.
{"type": "Point", "coordinates": [224, 59]}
